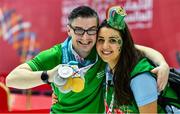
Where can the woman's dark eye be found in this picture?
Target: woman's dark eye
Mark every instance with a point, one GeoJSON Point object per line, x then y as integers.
{"type": "Point", "coordinates": [113, 41]}
{"type": "Point", "coordinates": [100, 40]}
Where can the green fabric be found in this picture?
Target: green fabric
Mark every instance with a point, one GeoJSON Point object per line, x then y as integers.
{"type": "Point", "coordinates": [145, 66]}
{"type": "Point", "coordinates": [168, 92]}
{"type": "Point", "coordinates": [142, 66]}
{"type": "Point", "coordinates": [132, 108]}
{"type": "Point", "coordinates": [47, 59]}
{"type": "Point", "coordinates": [90, 100]}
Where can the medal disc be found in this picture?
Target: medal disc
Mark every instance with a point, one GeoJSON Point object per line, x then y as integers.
{"type": "Point", "coordinates": [65, 71]}
{"type": "Point", "coordinates": [64, 91]}
{"type": "Point", "coordinates": [77, 84]}
{"type": "Point", "coordinates": [59, 81]}
{"type": "Point", "coordinates": [68, 84]}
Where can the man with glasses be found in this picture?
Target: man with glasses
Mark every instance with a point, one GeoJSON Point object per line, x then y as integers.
{"type": "Point", "coordinates": [79, 47]}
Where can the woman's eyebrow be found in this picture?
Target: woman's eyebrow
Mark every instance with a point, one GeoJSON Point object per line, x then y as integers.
{"type": "Point", "coordinates": [100, 37]}
{"type": "Point", "coordinates": [116, 37]}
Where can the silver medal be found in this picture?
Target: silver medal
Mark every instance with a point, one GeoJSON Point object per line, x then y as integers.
{"type": "Point", "coordinates": [65, 71]}
{"type": "Point", "coordinates": [59, 81]}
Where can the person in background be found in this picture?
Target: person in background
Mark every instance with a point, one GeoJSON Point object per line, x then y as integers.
{"type": "Point", "coordinates": [79, 46]}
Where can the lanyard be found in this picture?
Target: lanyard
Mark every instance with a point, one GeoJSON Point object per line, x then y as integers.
{"type": "Point", "coordinates": [110, 107]}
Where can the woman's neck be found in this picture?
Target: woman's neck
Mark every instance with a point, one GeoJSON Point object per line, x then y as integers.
{"type": "Point", "coordinates": [112, 65]}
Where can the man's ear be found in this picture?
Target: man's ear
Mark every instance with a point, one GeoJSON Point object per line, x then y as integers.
{"type": "Point", "coordinates": [68, 30]}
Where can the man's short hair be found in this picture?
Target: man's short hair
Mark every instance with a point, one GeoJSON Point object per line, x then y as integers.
{"type": "Point", "coordinates": [84, 12]}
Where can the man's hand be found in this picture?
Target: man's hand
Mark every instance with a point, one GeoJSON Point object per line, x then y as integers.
{"type": "Point", "coordinates": [53, 72]}
{"type": "Point", "coordinates": [162, 73]}
{"type": "Point", "coordinates": [54, 98]}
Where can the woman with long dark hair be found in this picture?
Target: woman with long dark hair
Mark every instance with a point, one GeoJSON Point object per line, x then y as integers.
{"type": "Point", "coordinates": [116, 47]}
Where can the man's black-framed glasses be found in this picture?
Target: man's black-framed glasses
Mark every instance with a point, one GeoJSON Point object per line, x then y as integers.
{"type": "Point", "coordinates": [81, 31]}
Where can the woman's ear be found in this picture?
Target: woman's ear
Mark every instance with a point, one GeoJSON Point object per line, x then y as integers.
{"type": "Point", "coordinates": [120, 48]}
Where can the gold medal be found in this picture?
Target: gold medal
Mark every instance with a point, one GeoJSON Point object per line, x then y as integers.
{"type": "Point", "coordinates": [77, 84]}
{"type": "Point", "coordinates": [68, 84]}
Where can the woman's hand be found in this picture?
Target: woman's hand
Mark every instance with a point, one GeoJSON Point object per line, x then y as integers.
{"type": "Point", "coordinates": [162, 72]}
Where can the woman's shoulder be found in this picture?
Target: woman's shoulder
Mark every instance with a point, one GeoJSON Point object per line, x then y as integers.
{"type": "Point", "coordinates": [144, 88]}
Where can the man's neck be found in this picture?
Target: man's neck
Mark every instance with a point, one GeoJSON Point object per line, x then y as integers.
{"type": "Point", "coordinates": [82, 54]}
